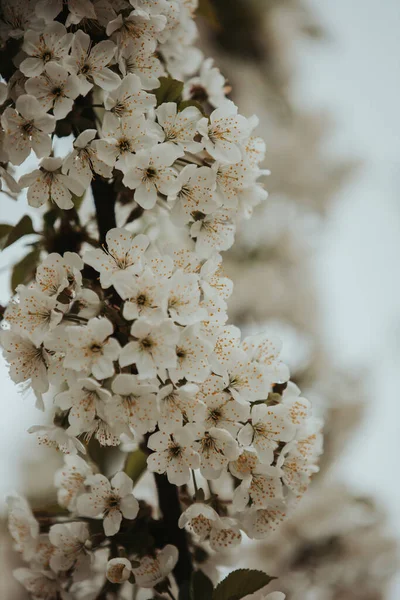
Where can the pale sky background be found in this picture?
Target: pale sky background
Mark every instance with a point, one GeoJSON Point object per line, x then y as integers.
{"type": "Point", "coordinates": [355, 74]}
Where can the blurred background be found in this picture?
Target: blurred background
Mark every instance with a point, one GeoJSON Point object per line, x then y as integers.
{"type": "Point", "coordinates": [317, 264]}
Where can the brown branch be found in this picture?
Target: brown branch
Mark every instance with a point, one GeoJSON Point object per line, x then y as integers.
{"type": "Point", "coordinates": [168, 499]}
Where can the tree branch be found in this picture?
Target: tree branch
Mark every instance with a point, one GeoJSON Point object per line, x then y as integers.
{"type": "Point", "coordinates": [168, 499]}
{"type": "Point", "coordinates": [104, 201]}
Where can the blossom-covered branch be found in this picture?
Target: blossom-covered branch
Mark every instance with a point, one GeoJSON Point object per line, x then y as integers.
{"type": "Point", "coordinates": [122, 332]}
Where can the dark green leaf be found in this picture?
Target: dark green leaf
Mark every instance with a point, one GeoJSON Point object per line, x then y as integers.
{"type": "Point", "coordinates": [24, 270]}
{"type": "Point", "coordinates": [207, 10]}
{"type": "Point", "coordinates": [241, 583]}
{"type": "Point", "coordinates": [23, 227]}
{"type": "Point", "coordinates": [201, 587]}
{"type": "Point", "coordinates": [136, 464]}
{"type": "Point", "coordinates": [4, 233]}
{"type": "Point", "coordinates": [170, 90]}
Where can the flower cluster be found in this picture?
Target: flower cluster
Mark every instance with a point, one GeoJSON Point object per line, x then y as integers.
{"type": "Point", "coordinates": [130, 333]}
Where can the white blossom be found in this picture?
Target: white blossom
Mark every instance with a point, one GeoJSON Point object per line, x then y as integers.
{"type": "Point", "coordinates": [172, 455]}
{"type": "Point", "coordinates": [56, 437]}
{"type": "Point", "coordinates": [133, 404]}
{"type": "Point", "coordinates": [111, 499]}
{"type": "Point", "coordinates": [27, 127]}
{"type": "Point", "coordinates": [70, 542]}
{"type": "Point", "coordinates": [90, 63]}
{"type": "Point", "coordinates": [224, 134]}
{"type": "Point", "coordinates": [199, 518]}
{"type": "Point", "coordinates": [70, 480]}
{"type": "Point", "coordinates": [83, 162]}
{"type": "Point", "coordinates": [49, 184]}
{"type": "Point", "coordinates": [121, 139]}
{"type": "Point", "coordinates": [179, 405]}
{"type": "Point", "coordinates": [153, 570]}
{"type": "Point", "coordinates": [22, 525]}
{"type": "Point", "coordinates": [153, 348]}
{"type": "Point", "coordinates": [118, 570]}
{"type": "Point", "coordinates": [83, 399]}
{"type": "Point", "coordinates": [216, 448]}
{"type": "Point", "coordinates": [124, 253]}
{"type": "Point", "coordinates": [195, 194]}
{"type": "Point", "coordinates": [45, 48]}
{"type": "Point", "coordinates": [55, 89]}
{"type": "Point", "coordinates": [137, 57]}
{"type": "Point", "coordinates": [151, 173]}
{"type": "Point", "coordinates": [209, 85]}
{"type": "Point", "coordinates": [179, 128]}
{"type": "Point", "coordinates": [192, 352]}
{"type": "Point", "coordinates": [129, 99]}
{"type": "Point", "coordinates": [34, 315]}
{"type": "Point", "coordinates": [92, 349]}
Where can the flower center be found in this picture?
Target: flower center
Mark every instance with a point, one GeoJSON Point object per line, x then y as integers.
{"type": "Point", "coordinates": [28, 127]}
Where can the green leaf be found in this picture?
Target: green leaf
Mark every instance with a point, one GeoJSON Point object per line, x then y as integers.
{"type": "Point", "coordinates": [201, 587]}
{"type": "Point", "coordinates": [24, 270]}
{"type": "Point", "coordinates": [4, 233]}
{"type": "Point", "coordinates": [136, 464]}
{"type": "Point", "coordinates": [23, 227]}
{"type": "Point", "coordinates": [207, 10]}
{"type": "Point", "coordinates": [170, 90]}
{"type": "Point", "coordinates": [241, 583]}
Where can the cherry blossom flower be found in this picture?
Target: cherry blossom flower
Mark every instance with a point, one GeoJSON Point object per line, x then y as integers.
{"type": "Point", "coordinates": [42, 585]}
{"type": "Point", "coordinates": [34, 315]}
{"type": "Point", "coordinates": [184, 299]}
{"type": "Point", "coordinates": [92, 349]}
{"type": "Point", "coordinates": [213, 232]}
{"type": "Point", "coordinates": [172, 455]}
{"type": "Point", "coordinates": [144, 294]}
{"type": "Point", "coordinates": [258, 523]}
{"type": "Point", "coordinates": [129, 99]}
{"type": "Point", "coordinates": [22, 525]}
{"type": "Point", "coordinates": [299, 408]}
{"type": "Point", "coordinates": [260, 483]}
{"type": "Point", "coordinates": [269, 425]}
{"type": "Point", "coordinates": [26, 362]}
{"type": "Point", "coordinates": [199, 518]}
{"type": "Point", "coordinates": [209, 85]}
{"type": "Point", "coordinates": [70, 542]}
{"type": "Point", "coordinates": [89, 63]}
{"type": "Point", "coordinates": [70, 481]}
{"type": "Point", "coordinates": [195, 194]}
{"type": "Point", "coordinates": [118, 570]}
{"type": "Point", "coordinates": [216, 448]}
{"type": "Point", "coordinates": [225, 534]}
{"type": "Point", "coordinates": [27, 127]}
{"type": "Point", "coordinates": [153, 348]}
{"type": "Point", "coordinates": [137, 57]}
{"type": "Point", "coordinates": [83, 162]}
{"type": "Point", "coordinates": [225, 133]}
{"type": "Point", "coordinates": [60, 274]}
{"type": "Point", "coordinates": [82, 398]}
{"type": "Point", "coordinates": [151, 173]}
{"type": "Point", "coordinates": [153, 570]}
{"type": "Point", "coordinates": [192, 352]}
{"type": "Point", "coordinates": [45, 48]}
{"type": "Point", "coordinates": [265, 350]}
{"type": "Point", "coordinates": [111, 499]}
{"type": "Point", "coordinates": [179, 405]}
{"type": "Point", "coordinates": [124, 253]}
{"type": "Point", "coordinates": [133, 404]}
{"type": "Point", "coordinates": [224, 412]}
{"type": "Point", "coordinates": [121, 139]}
{"type": "Point", "coordinates": [55, 89]}
{"type": "Point", "coordinates": [138, 25]}
{"type": "Point", "coordinates": [56, 437]}
{"type": "Point", "coordinates": [48, 184]}
{"type": "Point", "coordinates": [179, 128]}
